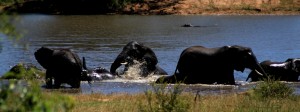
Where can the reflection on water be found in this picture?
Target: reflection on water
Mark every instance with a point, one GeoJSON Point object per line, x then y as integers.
{"type": "Point", "coordinates": [100, 38]}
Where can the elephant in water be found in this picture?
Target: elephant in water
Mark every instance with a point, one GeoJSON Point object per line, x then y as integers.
{"type": "Point", "coordinates": [198, 64]}
{"type": "Point", "coordinates": [135, 53]}
{"type": "Point", "coordinates": [283, 71]}
{"type": "Point", "coordinates": [98, 73]}
{"type": "Point", "coordinates": [62, 66]}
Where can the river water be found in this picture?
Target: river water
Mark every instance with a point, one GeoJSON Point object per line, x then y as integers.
{"type": "Point", "coordinates": [100, 38]}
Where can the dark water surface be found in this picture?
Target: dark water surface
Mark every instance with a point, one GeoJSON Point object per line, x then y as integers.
{"type": "Point", "coordinates": [100, 38]}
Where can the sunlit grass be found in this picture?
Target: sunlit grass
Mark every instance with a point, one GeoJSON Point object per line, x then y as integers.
{"type": "Point", "coordinates": [250, 101]}
{"type": "Point", "coordinates": [205, 103]}
{"type": "Point", "coordinates": [107, 103]}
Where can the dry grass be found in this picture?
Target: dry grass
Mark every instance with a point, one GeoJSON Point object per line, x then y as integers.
{"type": "Point", "coordinates": [107, 103]}
{"type": "Point", "coordinates": [207, 103]}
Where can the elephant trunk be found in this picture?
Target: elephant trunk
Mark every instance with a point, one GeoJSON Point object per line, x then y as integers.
{"type": "Point", "coordinates": [84, 73]}
{"type": "Point", "coordinates": [258, 71]}
{"type": "Point", "coordinates": [84, 63]}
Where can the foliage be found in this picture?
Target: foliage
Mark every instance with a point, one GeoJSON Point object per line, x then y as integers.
{"type": "Point", "coordinates": [271, 88]}
{"type": "Point", "coordinates": [162, 100]}
{"type": "Point", "coordinates": [7, 27]}
{"type": "Point", "coordinates": [15, 97]}
{"type": "Point", "coordinates": [9, 2]}
{"type": "Point", "coordinates": [23, 71]}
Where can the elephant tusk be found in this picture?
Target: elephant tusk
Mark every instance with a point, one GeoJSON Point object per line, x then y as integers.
{"type": "Point", "coordinates": [259, 73]}
{"type": "Point", "coordinates": [124, 63]}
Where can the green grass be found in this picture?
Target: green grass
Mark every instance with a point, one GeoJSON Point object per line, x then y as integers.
{"type": "Point", "coordinates": [206, 103]}
{"type": "Point", "coordinates": [267, 96]}
{"type": "Point", "coordinates": [162, 99]}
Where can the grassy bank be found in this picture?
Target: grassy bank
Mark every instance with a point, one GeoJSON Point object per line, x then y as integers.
{"type": "Point", "coordinates": [268, 96]}
{"type": "Point", "coordinates": [207, 103]}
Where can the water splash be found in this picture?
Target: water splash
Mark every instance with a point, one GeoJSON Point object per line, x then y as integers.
{"type": "Point", "coordinates": [135, 74]}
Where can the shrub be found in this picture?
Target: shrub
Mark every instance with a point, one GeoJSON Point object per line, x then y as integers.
{"type": "Point", "coordinates": [23, 71]}
{"type": "Point", "coordinates": [162, 100]}
{"type": "Point", "coordinates": [271, 88]}
{"type": "Point", "coordinates": [15, 97]}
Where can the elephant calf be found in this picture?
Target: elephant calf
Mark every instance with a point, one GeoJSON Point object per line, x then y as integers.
{"type": "Point", "coordinates": [134, 53]}
{"type": "Point", "coordinates": [62, 66]}
{"type": "Point", "coordinates": [283, 71]}
{"type": "Point", "coordinates": [97, 73]}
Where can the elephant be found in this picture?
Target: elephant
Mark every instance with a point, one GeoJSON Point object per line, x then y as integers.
{"type": "Point", "coordinates": [98, 73]}
{"type": "Point", "coordinates": [62, 66]}
{"type": "Point", "coordinates": [198, 64]}
{"type": "Point", "coordinates": [283, 71]}
{"type": "Point", "coordinates": [136, 53]}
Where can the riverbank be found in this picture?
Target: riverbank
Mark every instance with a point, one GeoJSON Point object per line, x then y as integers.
{"type": "Point", "coordinates": [214, 7]}
{"type": "Point", "coordinates": [267, 96]}
{"type": "Point", "coordinates": [164, 7]}
{"type": "Point", "coordinates": [201, 103]}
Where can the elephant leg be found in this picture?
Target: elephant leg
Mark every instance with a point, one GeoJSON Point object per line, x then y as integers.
{"type": "Point", "coordinates": [48, 79]}
{"type": "Point", "coordinates": [75, 83]}
{"type": "Point", "coordinates": [231, 79]}
{"type": "Point", "coordinates": [57, 83]}
{"type": "Point", "coordinates": [228, 78]}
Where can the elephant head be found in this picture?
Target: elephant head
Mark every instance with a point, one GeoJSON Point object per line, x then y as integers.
{"type": "Point", "coordinates": [243, 57]}
{"type": "Point", "coordinates": [43, 55]}
{"type": "Point", "coordinates": [285, 71]}
{"type": "Point", "coordinates": [135, 51]}
{"type": "Point", "coordinates": [62, 65]}
{"type": "Point", "coordinates": [293, 64]}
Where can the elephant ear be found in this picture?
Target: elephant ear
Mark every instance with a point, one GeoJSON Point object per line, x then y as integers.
{"type": "Point", "coordinates": [240, 56]}
{"type": "Point", "coordinates": [43, 56]}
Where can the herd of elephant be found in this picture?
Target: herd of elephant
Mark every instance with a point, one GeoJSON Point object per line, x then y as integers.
{"type": "Point", "coordinates": [197, 64]}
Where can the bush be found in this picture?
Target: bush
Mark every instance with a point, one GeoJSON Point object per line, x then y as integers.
{"type": "Point", "coordinates": [271, 88]}
{"type": "Point", "coordinates": [15, 97]}
{"type": "Point", "coordinates": [24, 71]}
{"type": "Point", "coordinates": [9, 2]}
{"type": "Point", "coordinates": [7, 28]}
{"type": "Point", "coordinates": [162, 100]}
